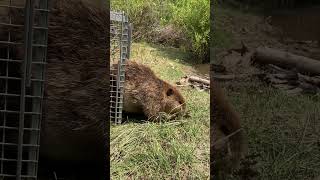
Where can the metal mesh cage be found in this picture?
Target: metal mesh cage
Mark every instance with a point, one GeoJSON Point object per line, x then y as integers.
{"type": "Point", "coordinates": [23, 48]}
{"type": "Point", "coordinates": [120, 42]}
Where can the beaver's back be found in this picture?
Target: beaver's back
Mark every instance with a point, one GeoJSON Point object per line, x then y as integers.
{"type": "Point", "coordinates": [140, 82]}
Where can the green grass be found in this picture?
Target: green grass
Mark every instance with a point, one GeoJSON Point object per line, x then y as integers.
{"type": "Point", "coordinates": [283, 130]}
{"type": "Point", "coordinates": [167, 150]}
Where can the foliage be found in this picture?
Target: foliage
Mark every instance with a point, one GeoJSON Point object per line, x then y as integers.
{"type": "Point", "coordinates": [150, 19]}
{"type": "Point", "coordinates": [195, 24]}
{"type": "Point", "coordinates": [141, 14]}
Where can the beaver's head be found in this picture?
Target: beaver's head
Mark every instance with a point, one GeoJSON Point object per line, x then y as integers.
{"type": "Point", "coordinates": [174, 102]}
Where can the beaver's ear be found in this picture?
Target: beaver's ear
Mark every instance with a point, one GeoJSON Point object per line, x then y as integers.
{"type": "Point", "coordinates": [169, 92]}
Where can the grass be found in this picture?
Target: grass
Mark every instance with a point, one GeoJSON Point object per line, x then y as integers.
{"type": "Point", "coordinates": [167, 150]}
{"type": "Point", "coordinates": [282, 130]}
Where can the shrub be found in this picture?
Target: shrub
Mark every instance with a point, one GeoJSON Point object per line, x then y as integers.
{"type": "Point", "coordinates": [193, 17]}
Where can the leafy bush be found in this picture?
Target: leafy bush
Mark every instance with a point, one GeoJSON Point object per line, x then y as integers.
{"type": "Point", "coordinates": [142, 14]}
{"type": "Point", "coordinates": [193, 17]}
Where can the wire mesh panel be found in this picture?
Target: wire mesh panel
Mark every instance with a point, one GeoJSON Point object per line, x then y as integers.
{"type": "Point", "coordinates": [23, 48]}
{"type": "Point", "coordinates": [120, 41]}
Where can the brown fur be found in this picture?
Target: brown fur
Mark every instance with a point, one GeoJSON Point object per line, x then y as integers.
{"type": "Point", "coordinates": [225, 121]}
{"type": "Point", "coordinates": [74, 128]}
{"type": "Point", "coordinates": [145, 93]}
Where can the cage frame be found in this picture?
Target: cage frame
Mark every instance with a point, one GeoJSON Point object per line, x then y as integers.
{"type": "Point", "coordinates": [117, 79]}
{"type": "Point", "coordinates": [31, 93]}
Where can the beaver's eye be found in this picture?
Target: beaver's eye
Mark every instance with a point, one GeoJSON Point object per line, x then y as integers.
{"type": "Point", "coordinates": [180, 102]}
{"type": "Point", "coordinates": [169, 92]}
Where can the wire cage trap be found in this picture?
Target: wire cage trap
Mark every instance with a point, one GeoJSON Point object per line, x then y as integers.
{"type": "Point", "coordinates": [23, 48]}
{"type": "Point", "coordinates": [120, 42]}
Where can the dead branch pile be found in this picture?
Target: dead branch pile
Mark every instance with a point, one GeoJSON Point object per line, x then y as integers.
{"type": "Point", "coordinates": [291, 81]}
{"type": "Point", "coordinates": [281, 69]}
{"type": "Point", "coordinates": [289, 72]}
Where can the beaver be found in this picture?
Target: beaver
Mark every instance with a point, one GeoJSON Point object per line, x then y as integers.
{"type": "Point", "coordinates": [74, 127]}
{"type": "Point", "coordinates": [145, 93]}
{"type": "Point", "coordinates": [74, 131]}
{"type": "Point", "coordinates": [225, 121]}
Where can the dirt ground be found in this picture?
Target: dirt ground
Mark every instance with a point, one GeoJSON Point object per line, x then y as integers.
{"type": "Point", "coordinates": [254, 31]}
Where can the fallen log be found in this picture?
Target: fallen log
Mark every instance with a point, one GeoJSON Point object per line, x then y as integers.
{"type": "Point", "coordinates": [264, 55]}
{"type": "Point", "coordinates": [199, 80]}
